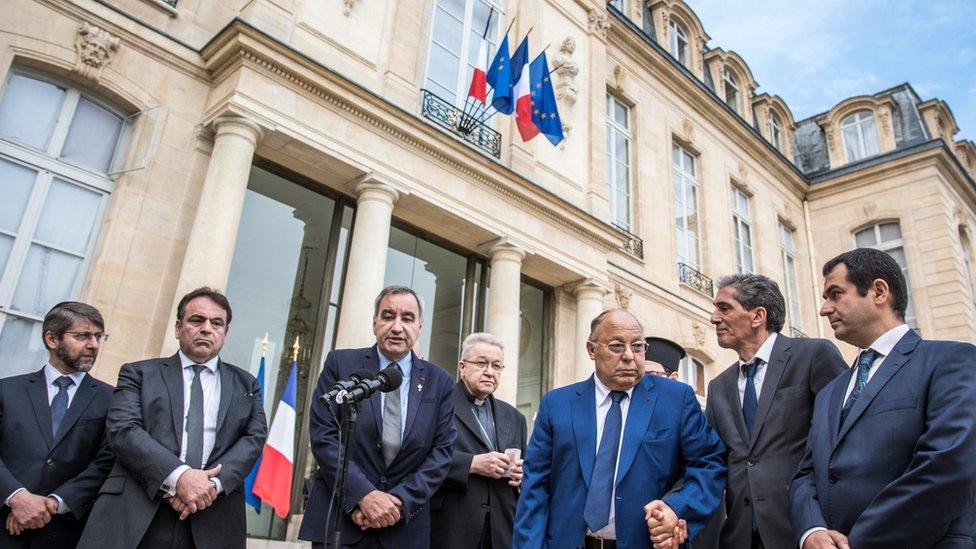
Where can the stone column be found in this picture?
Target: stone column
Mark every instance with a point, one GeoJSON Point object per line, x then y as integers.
{"type": "Point", "coordinates": [210, 248]}
{"type": "Point", "coordinates": [589, 303]}
{"type": "Point", "coordinates": [366, 266]}
{"type": "Point", "coordinates": [504, 320]}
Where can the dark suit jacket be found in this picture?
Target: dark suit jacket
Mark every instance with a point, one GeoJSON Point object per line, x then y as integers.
{"type": "Point", "coordinates": [458, 508]}
{"type": "Point", "coordinates": [145, 430]}
{"type": "Point", "coordinates": [901, 471]}
{"type": "Point", "coordinates": [760, 467]}
{"type": "Point", "coordinates": [413, 476]}
{"type": "Point", "coordinates": [665, 439]}
{"type": "Point", "coordinates": [71, 464]}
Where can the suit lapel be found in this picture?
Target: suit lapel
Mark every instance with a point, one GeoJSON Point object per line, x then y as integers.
{"type": "Point", "coordinates": [774, 373]}
{"type": "Point", "coordinates": [37, 392]}
{"type": "Point", "coordinates": [465, 414]}
{"type": "Point", "coordinates": [371, 362]}
{"type": "Point", "coordinates": [638, 416]}
{"type": "Point", "coordinates": [172, 373]}
{"type": "Point", "coordinates": [418, 377]}
{"type": "Point", "coordinates": [226, 393]}
{"type": "Point", "coordinates": [731, 386]}
{"type": "Point", "coordinates": [836, 403]}
{"type": "Point", "coordinates": [584, 427]}
{"type": "Point", "coordinates": [83, 397]}
{"type": "Point", "coordinates": [503, 425]}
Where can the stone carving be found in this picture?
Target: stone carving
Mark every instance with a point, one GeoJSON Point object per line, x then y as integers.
{"type": "Point", "coordinates": [618, 77]}
{"type": "Point", "coordinates": [698, 332]}
{"type": "Point", "coordinates": [885, 118]}
{"type": "Point", "coordinates": [743, 171]}
{"type": "Point", "coordinates": [597, 22]}
{"type": "Point", "coordinates": [869, 210]}
{"type": "Point", "coordinates": [831, 137]}
{"type": "Point", "coordinates": [347, 6]}
{"type": "Point", "coordinates": [688, 130]}
{"type": "Point", "coordinates": [567, 69]}
{"type": "Point", "coordinates": [95, 49]}
{"type": "Point", "coordinates": [623, 296]}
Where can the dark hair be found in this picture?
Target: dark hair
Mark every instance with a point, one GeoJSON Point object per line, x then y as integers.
{"type": "Point", "coordinates": [397, 290]}
{"type": "Point", "coordinates": [63, 316]}
{"type": "Point", "coordinates": [756, 290]}
{"type": "Point", "coordinates": [865, 265]}
{"type": "Point", "coordinates": [204, 291]}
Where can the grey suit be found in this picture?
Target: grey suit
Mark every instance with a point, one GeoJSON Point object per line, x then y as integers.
{"type": "Point", "coordinates": [760, 467]}
{"type": "Point", "coordinates": [145, 427]}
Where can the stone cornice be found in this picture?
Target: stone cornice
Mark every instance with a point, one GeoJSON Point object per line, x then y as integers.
{"type": "Point", "coordinates": [239, 44]}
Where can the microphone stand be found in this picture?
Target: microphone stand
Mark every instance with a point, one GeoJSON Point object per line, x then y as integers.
{"type": "Point", "coordinates": [348, 413]}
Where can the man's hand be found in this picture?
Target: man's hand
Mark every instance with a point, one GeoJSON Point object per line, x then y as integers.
{"type": "Point", "coordinates": [27, 510]}
{"type": "Point", "coordinates": [516, 474]}
{"type": "Point", "coordinates": [359, 519]}
{"type": "Point", "coordinates": [826, 539]}
{"type": "Point", "coordinates": [661, 521]}
{"type": "Point", "coordinates": [380, 509]}
{"type": "Point", "coordinates": [679, 536]}
{"type": "Point", "coordinates": [52, 505]}
{"type": "Point", "coordinates": [196, 490]}
{"type": "Point", "coordinates": [491, 465]}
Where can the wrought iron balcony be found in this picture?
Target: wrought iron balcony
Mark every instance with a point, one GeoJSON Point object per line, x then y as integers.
{"type": "Point", "coordinates": [170, 2]}
{"type": "Point", "coordinates": [795, 332]}
{"type": "Point", "coordinates": [634, 245]}
{"type": "Point", "coordinates": [461, 124]}
{"type": "Point", "coordinates": [690, 276]}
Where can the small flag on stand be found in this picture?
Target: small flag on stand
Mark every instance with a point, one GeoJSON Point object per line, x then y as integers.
{"type": "Point", "coordinates": [545, 110]}
{"type": "Point", "coordinates": [274, 478]}
{"type": "Point", "coordinates": [250, 497]}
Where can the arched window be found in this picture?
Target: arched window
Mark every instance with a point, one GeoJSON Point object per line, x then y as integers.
{"type": "Point", "coordinates": [678, 43]}
{"type": "Point", "coordinates": [58, 144]}
{"type": "Point", "coordinates": [860, 134]}
{"type": "Point", "coordinates": [887, 237]}
{"type": "Point", "coordinates": [775, 131]}
{"type": "Point", "coordinates": [731, 90]}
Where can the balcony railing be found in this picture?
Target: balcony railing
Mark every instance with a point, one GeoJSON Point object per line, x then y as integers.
{"type": "Point", "coordinates": [796, 332]}
{"type": "Point", "coordinates": [170, 2]}
{"type": "Point", "coordinates": [460, 124]}
{"type": "Point", "coordinates": [690, 276]}
{"type": "Point", "coordinates": [634, 245]}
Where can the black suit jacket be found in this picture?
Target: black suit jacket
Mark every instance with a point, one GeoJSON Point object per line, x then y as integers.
{"type": "Point", "coordinates": [71, 463]}
{"type": "Point", "coordinates": [145, 430]}
{"type": "Point", "coordinates": [458, 508]}
{"type": "Point", "coordinates": [760, 467]}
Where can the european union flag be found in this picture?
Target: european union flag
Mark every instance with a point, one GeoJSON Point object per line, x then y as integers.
{"type": "Point", "coordinates": [500, 79]}
{"type": "Point", "coordinates": [249, 497]}
{"type": "Point", "coordinates": [545, 111]}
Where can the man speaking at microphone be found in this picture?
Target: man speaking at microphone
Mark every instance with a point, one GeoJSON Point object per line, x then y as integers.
{"type": "Point", "coordinates": [400, 447]}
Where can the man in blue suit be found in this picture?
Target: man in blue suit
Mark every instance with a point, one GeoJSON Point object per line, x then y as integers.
{"type": "Point", "coordinates": [401, 445]}
{"type": "Point", "coordinates": [604, 448]}
{"type": "Point", "coordinates": [891, 454]}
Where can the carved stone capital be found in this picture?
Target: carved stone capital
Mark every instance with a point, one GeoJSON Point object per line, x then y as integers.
{"type": "Point", "coordinates": [597, 22]}
{"type": "Point", "coordinates": [623, 295]}
{"type": "Point", "coordinates": [95, 48]}
{"type": "Point", "coordinates": [347, 6]}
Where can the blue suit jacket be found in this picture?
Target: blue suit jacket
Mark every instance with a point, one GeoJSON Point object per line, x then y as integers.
{"type": "Point", "coordinates": [413, 476]}
{"type": "Point", "coordinates": [901, 471]}
{"type": "Point", "coordinates": [666, 439]}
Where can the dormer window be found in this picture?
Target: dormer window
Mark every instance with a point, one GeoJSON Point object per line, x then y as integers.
{"type": "Point", "coordinates": [678, 42]}
{"type": "Point", "coordinates": [860, 134]}
{"type": "Point", "coordinates": [731, 90]}
{"type": "Point", "coordinates": [775, 131]}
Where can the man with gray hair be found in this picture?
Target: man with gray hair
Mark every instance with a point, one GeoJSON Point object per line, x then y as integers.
{"type": "Point", "coordinates": [761, 407]}
{"type": "Point", "coordinates": [475, 507]}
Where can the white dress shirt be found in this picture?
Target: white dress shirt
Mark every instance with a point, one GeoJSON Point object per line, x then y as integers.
{"type": "Point", "coordinates": [763, 354]}
{"type": "Point", "coordinates": [883, 346]}
{"type": "Point", "coordinates": [210, 381]}
{"type": "Point", "coordinates": [603, 403]}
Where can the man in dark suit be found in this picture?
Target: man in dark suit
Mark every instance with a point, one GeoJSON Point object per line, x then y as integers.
{"type": "Point", "coordinates": [606, 452]}
{"type": "Point", "coordinates": [53, 454]}
{"type": "Point", "coordinates": [761, 407]}
{"type": "Point", "coordinates": [186, 430]}
{"type": "Point", "coordinates": [891, 455]}
{"type": "Point", "coordinates": [401, 446]}
{"type": "Point", "coordinates": [475, 507]}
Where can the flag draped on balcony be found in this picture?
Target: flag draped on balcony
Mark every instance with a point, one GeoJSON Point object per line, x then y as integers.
{"type": "Point", "coordinates": [523, 96]}
{"type": "Point", "coordinates": [479, 78]}
{"type": "Point", "coordinates": [499, 77]}
{"type": "Point", "coordinates": [274, 478]}
{"type": "Point", "coordinates": [545, 110]}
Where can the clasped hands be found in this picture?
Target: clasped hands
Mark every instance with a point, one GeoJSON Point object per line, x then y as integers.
{"type": "Point", "coordinates": [377, 510]}
{"type": "Point", "coordinates": [194, 491]}
{"type": "Point", "coordinates": [666, 529]}
{"type": "Point", "coordinates": [29, 510]}
{"type": "Point", "coordinates": [496, 465]}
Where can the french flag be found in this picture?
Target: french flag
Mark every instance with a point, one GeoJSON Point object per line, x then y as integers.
{"type": "Point", "coordinates": [523, 92]}
{"type": "Point", "coordinates": [479, 78]}
{"type": "Point", "coordinates": [273, 482]}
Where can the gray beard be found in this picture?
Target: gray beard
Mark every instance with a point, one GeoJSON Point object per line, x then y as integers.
{"type": "Point", "coordinates": [75, 365]}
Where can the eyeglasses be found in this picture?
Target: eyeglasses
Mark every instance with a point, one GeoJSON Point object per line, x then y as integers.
{"type": "Point", "coordinates": [618, 348]}
{"type": "Point", "coordinates": [496, 367]}
{"type": "Point", "coordinates": [81, 337]}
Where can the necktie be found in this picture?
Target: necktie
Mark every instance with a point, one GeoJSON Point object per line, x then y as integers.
{"type": "Point", "coordinates": [391, 425]}
{"type": "Point", "coordinates": [483, 413]}
{"type": "Point", "coordinates": [598, 500]}
{"type": "Point", "coordinates": [194, 421]}
{"type": "Point", "coordinates": [749, 400]}
{"type": "Point", "coordinates": [59, 405]}
{"type": "Point", "coordinates": [863, 367]}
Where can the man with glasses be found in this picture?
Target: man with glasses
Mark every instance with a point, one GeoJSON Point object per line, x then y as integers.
{"type": "Point", "coordinates": [53, 451]}
{"type": "Point", "coordinates": [475, 507]}
{"type": "Point", "coordinates": [606, 454]}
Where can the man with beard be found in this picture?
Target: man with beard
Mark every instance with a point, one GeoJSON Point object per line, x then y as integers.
{"type": "Point", "coordinates": [53, 452]}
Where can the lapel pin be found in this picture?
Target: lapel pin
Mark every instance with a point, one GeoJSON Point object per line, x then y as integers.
{"type": "Point", "coordinates": [420, 387]}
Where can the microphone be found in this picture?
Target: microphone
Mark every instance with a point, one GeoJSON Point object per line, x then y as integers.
{"type": "Point", "coordinates": [347, 384]}
{"type": "Point", "coordinates": [389, 379]}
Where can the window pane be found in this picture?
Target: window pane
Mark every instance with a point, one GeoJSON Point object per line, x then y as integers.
{"type": "Point", "coordinates": [621, 147]}
{"type": "Point", "coordinates": [852, 145]}
{"type": "Point", "coordinates": [890, 231]}
{"type": "Point", "coordinates": [454, 7]}
{"type": "Point", "coordinates": [620, 113]}
{"type": "Point", "coordinates": [48, 278]}
{"type": "Point", "coordinates": [16, 182]}
{"type": "Point", "coordinates": [21, 348]}
{"type": "Point", "coordinates": [29, 110]}
{"type": "Point", "coordinates": [447, 31]}
{"type": "Point", "coordinates": [870, 136]}
{"type": "Point", "coordinates": [68, 216]}
{"type": "Point", "coordinates": [6, 243]}
{"type": "Point", "coordinates": [689, 163]}
{"type": "Point", "coordinates": [92, 136]}
{"type": "Point", "coordinates": [865, 238]}
{"type": "Point", "coordinates": [532, 341]}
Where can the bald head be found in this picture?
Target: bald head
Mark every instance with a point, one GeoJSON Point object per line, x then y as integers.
{"type": "Point", "coordinates": [614, 315]}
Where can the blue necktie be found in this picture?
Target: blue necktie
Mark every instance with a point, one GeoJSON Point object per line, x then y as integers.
{"type": "Point", "coordinates": [749, 400]}
{"type": "Point", "coordinates": [597, 509]}
{"type": "Point", "coordinates": [864, 363]}
{"type": "Point", "coordinates": [59, 405]}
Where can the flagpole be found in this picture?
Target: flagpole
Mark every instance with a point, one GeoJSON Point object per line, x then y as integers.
{"type": "Point", "coordinates": [478, 114]}
{"type": "Point", "coordinates": [481, 119]}
{"type": "Point", "coordinates": [464, 112]}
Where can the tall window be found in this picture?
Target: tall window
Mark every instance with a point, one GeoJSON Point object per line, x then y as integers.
{"type": "Point", "coordinates": [456, 34]}
{"type": "Point", "coordinates": [686, 207]}
{"type": "Point", "coordinates": [731, 90]}
{"type": "Point", "coordinates": [57, 144]}
{"type": "Point", "coordinates": [775, 131]}
{"type": "Point", "coordinates": [787, 247]}
{"type": "Point", "coordinates": [742, 230]}
{"type": "Point", "coordinates": [967, 258]}
{"type": "Point", "coordinates": [887, 237]}
{"type": "Point", "coordinates": [678, 42]}
{"type": "Point", "coordinates": [621, 5]}
{"type": "Point", "coordinates": [692, 372]}
{"type": "Point", "coordinates": [618, 161]}
{"type": "Point", "coordinates": [860, 135]}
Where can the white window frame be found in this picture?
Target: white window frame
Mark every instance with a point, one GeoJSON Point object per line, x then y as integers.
{"type": "Point", "coordinates": [967, 259]}
{"type": "Point", "coordinates": [742, 225]}
{"type": "Point", "coordinates": [688, 372]}
{"type": "Point", "coordinates": [621, 5]}
{"type": "Point", "coordinates": [729, 79]}
{"type": "Point", "coordinates": [911, 317]}
{"type": "Point", "coordinates": [677, 35]}
{"type": "Point", "coordinates": [775, 131]}
{"type": "Point", "coordinates": [620, 214]}
{"type": "Point", "coordinates": [688, 180]}
{"type": "Point", "coordinates": [859, 120]}
{"type": "Point", "coordinates": [787, 247]}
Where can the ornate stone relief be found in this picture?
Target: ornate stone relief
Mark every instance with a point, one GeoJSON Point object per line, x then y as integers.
{"type": "Point", "coordinates": [567, 69]}
{"type": "Point", "coordinates": [623, 296]}
{"type": "Point", "coordinates": [869, 210]}
{"type": "Point", "coordinates": [698, 332]}
{"type": "Point", "coordinates": [743, 171]}
{"type": "Point", "coordinates": [831, 137]}
{"type": "Point", "coordinates": [688, 130]}
{"type": "Point", "coordinates": [597, 22]}
{"type": "Point", "coordinates": [885, 118]}
{"type": "Point", "coordinates": [619, 77]}
{"type": "Point", "coordinates": [95, 49]}
{"type": "Point", "coordinates": [347, 6]}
